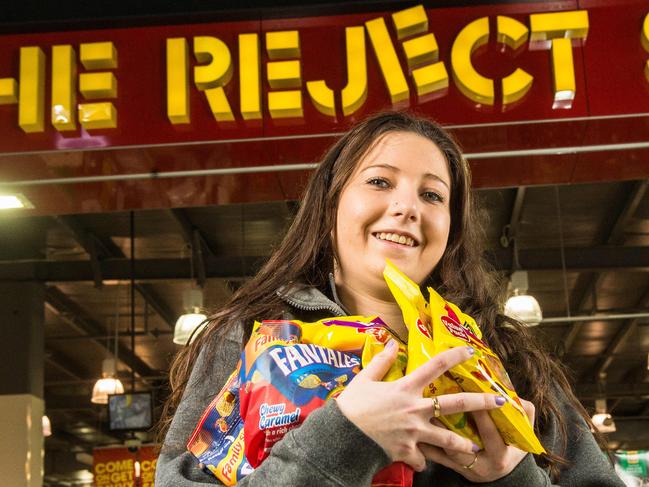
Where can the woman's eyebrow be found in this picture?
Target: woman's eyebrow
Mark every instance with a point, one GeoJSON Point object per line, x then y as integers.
{"type": "Point", "coordinates": [384, 166]}
{"type": "Point", "coordinates": [428, 175]}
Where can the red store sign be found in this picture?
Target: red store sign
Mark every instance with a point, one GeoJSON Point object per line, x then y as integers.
{"type": "Point", "coordinates": [505, 78]}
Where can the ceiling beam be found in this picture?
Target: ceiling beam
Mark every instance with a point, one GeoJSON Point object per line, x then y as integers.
{"type": "Point", "coordinates": [577, 259]}
{"type": "Point", "coordinates": [64, 364]}
{"type": "Point", "coordinates": [195, 240]}
{"type": "Point", "coordinates": [591, 391]}
{"type": "Point", "coordinates": [615, 237]}
{"type": "Point", "coordinates": [100, 249]}
{"type": "Point", "coordinates": [620, 338]}
{"type": "Point", "coordinates": [73, 313]}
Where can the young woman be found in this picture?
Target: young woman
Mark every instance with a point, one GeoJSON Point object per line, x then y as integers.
{"type": "Point", "coordinates": [395, 186]}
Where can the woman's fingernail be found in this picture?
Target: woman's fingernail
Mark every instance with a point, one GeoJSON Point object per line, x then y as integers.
{"type": "Point", "coordinates": [392, 344]}
{"type": "Point", "coordinates": [475, 448]}
{"type": "Point", "coordinates": [500, 400]}
{"type": "Point", "coordinates": [471, 350]}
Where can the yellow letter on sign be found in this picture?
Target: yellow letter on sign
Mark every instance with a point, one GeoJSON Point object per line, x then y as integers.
{"type": "Point", "coordinates": [177, 82]}
{"type": "Point", "coordinates": [31, 92]}
{"type": "Point", "coordinates": [421, 50]}
{"type": "Point", "coordinates": [354, 93]}
{"type": "Point", "coordinates": [213, 76]}
{"type": "Point", "coordinates": [284, 74]}
{"type": "Point", "coordinates": [471, 83]}
{"type": "Point", "coordinates": [388, 60]}
{"type": "Point", "coordinates": [98, 55]}
{"type": "Point", "coordinates": [64, 102]}
{"type": "Point", "coordinates": [514, 34]}
{"type": "Point", "coordinates": [8, 91]}
{"type": "Point", "coordinates": [644, 39]}
{"type": "Point", "coordinates": [558, 28]}
{"type": "Point", "coordinates": [249, 77]}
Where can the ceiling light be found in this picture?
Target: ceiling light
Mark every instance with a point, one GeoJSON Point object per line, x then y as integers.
{"type": "Point", "coordinates": [191, 321]}
{"type": "Point", "coordinates": [602, 420]}
{"type": "Point", "coordinates": [108, 384]}
{"type": "Point", "coordinates": [186, 325]}
{"type": "Point", "coordinates": [14, 201]}
{"type": "Point", "coordinates": [47, 426]}
{"type": "Point", "coordinates": [521, 305]}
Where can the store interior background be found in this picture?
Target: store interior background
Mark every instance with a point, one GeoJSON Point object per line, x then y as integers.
{"type": "Point", "coordinates": [598, 232]}
{"type": "Point", "coordinates": [585, 247]}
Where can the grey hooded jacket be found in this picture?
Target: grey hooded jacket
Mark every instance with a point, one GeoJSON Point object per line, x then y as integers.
{"type": "Point", "coordinates": [329, 450]}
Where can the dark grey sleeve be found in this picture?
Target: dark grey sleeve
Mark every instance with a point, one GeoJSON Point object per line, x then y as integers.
{"type": "Point", "coordinates": [588, 466]}
{"type": "Point", "coordinates": [326, 450]}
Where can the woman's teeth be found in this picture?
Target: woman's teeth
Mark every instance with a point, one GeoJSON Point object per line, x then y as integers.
{"type": "Point", "coordinates": [393, 237]}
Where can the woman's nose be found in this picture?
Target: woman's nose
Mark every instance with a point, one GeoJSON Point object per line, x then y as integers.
{"type": "Point", "coordinates": [404, 207]}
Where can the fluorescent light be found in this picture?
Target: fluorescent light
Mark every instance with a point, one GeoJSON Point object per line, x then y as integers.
{"type": "Point", "coordinates": [14, 201]}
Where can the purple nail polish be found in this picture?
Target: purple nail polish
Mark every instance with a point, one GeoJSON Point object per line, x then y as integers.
{"type": "Point", "coordinates": [471, 350]}
{"type": "Point", "coordinates": [500, 401]}
{"type": "Point", "coordinates": [475, 448]}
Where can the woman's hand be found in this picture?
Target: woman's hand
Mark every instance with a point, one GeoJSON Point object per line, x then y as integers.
{"type": "Point", "coordinates": [397, 417]}
{"type": "Point", "coordinates": [494, 462]}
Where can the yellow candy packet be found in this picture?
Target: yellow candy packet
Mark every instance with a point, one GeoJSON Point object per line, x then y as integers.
{"type": "Point", "coordinates": [421, 347]}
{"type": "Point", "coordinates": [447, 328]}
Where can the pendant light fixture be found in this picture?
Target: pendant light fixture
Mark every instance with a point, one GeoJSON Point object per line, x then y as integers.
{"type": "Point", "coordinates": [47, 426]}
{"type": "Point", "coordinates": [602, 419]}
{"type": "Point", "coordinates": [109, 383]}
{"type": "Point", "coordinates": [187, 326]}
{"type": "Point", "coordinates": [520, 305]}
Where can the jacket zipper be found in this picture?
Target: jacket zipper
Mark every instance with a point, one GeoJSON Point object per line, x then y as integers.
{"type": "Point", "coordinates": [304, 307]}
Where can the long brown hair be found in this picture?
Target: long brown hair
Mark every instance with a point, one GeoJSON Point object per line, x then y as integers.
{"type": "Point", "coordinates": [306, 257]}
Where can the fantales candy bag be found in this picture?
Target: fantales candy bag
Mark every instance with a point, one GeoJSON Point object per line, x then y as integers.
{"type": "Point", "coordinates": [287, 370]}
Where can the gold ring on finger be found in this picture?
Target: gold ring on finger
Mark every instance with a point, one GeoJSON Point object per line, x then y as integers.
{"type": "Point", "coordinates": [437, 409]}
{"type": "Point", "coordinates": [472, 464]}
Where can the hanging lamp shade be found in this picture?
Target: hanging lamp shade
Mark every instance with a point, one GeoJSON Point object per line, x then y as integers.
{"type": "Point", "coordinates": [108, 384]}
{"type": "Point", "coordinates": [190, 321]}
{"type": "Point", "coordinates": [186, 325]}
{"type": "Point", "coordinates": [602, 420]}
{"type": "Point", "coordinates": [521, 305]}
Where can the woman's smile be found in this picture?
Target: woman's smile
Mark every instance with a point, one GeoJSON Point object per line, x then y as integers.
{"type": "Point", "coordinates": [396, 237]}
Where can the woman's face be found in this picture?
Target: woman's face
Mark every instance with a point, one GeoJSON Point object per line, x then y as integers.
{"type": "Point", "coordinates": [394, 206]}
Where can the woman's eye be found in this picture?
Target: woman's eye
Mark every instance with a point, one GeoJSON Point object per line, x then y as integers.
{"type": "Point", "coordinates": [433, 196]}
{"type": "Point", "coordinates": [380, 182]}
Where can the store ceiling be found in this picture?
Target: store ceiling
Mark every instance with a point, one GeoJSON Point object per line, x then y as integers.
{"type": "Point", "coordinates": [598, 232]}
